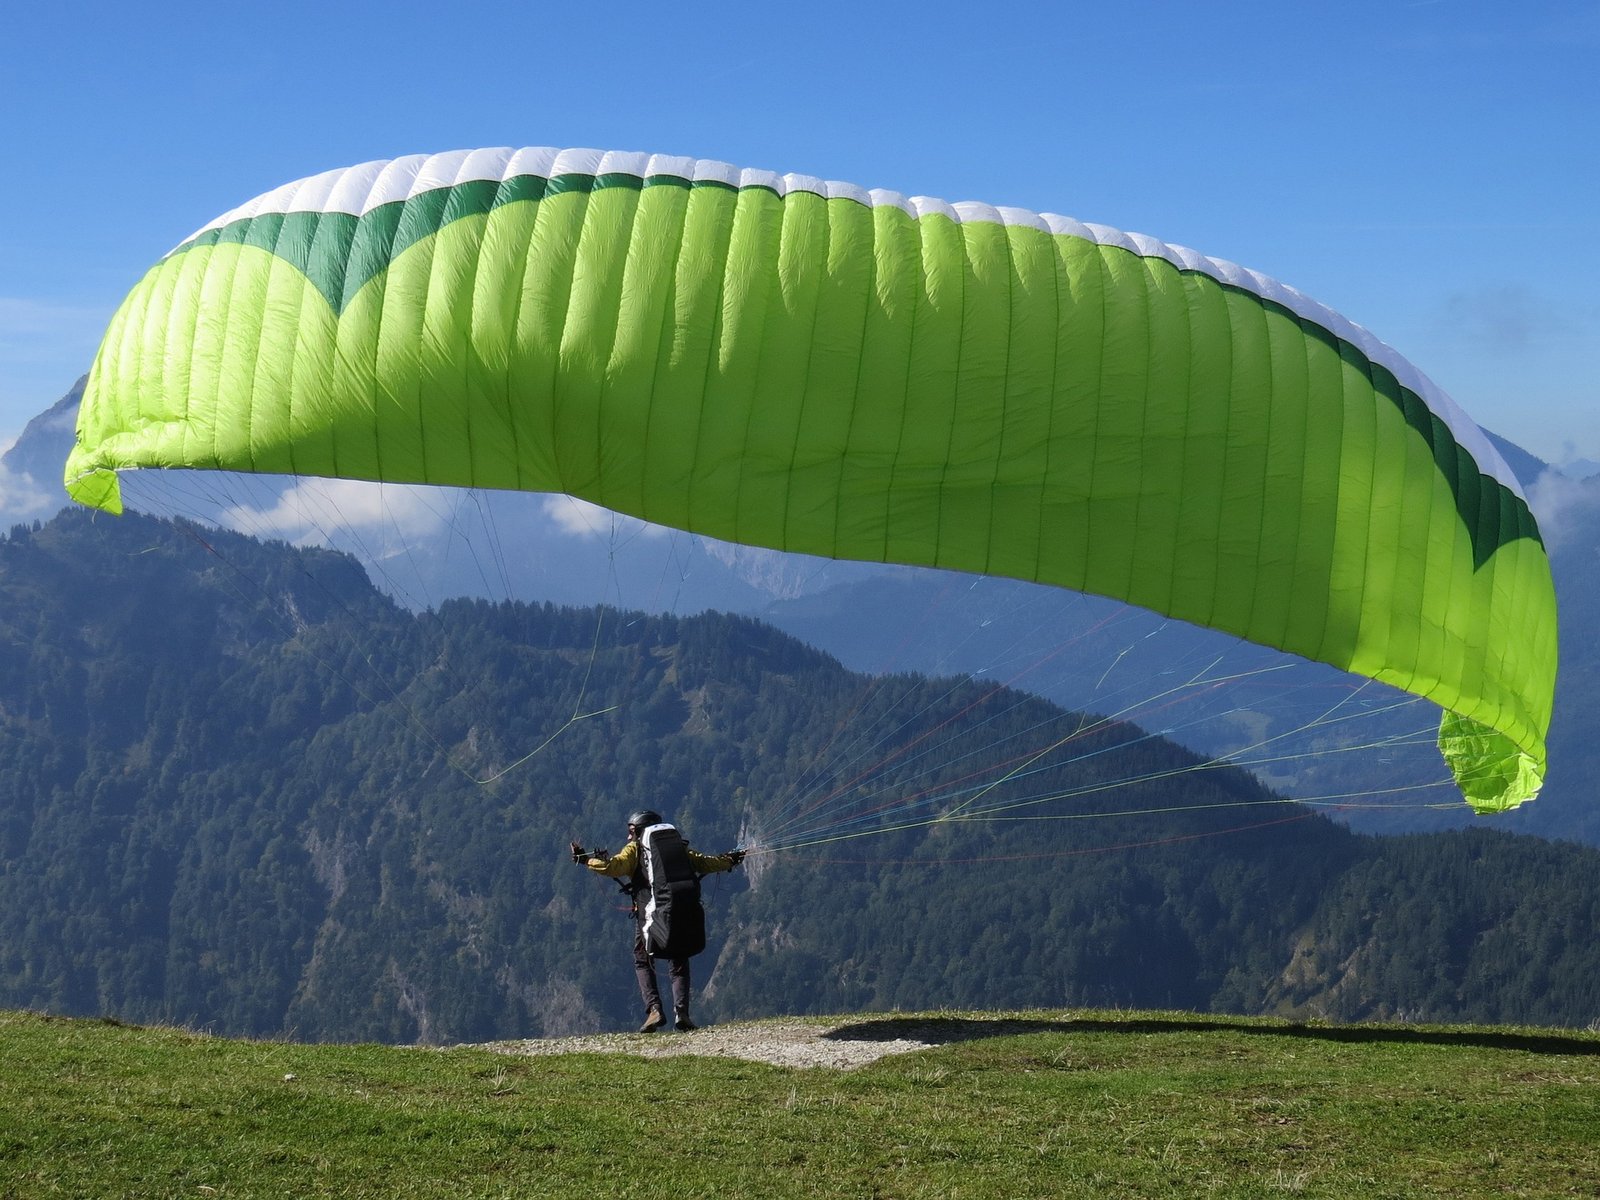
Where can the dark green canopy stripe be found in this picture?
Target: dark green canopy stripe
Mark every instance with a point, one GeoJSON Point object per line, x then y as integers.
{"type": "Point", "coordinates": [340, 252]}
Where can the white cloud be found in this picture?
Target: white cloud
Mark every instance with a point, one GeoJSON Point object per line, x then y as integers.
{"type": "Point", "coordinates": [21, 497]}
{"type": "Point", "coordinates": [324, 511]}
{"type": "Point", "coordinates": [579, 518]}
{"type": "Point", "coordinates": [1565, 507]}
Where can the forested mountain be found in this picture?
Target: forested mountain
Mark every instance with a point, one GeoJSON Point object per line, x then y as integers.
{"type": "Point", "coordinates": [242, 789]}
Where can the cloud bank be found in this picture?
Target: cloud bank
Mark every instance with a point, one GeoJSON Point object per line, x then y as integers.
{"type": "Point", "coordinates": [580, 519]}
{"type": "Point", "coordinates": [321, 512]}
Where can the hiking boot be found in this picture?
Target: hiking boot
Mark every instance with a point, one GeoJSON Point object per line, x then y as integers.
{"type": "Point", "coordinates": [682, 1022]}
{"type": "Point", "coordinates": [653, 1021]}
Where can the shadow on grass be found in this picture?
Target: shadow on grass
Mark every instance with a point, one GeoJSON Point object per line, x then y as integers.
{"type": "Point", "coordinates": [946, 1030]}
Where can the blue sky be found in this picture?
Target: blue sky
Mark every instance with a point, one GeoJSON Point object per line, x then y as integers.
{"type": "Point", "coordinates": [1429, 169]}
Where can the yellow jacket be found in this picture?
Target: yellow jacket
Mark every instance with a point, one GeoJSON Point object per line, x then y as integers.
{"type": "Point", "coordinates": [625, 862]}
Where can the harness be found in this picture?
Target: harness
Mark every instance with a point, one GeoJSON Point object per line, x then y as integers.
{"type": "Point", "coordinates": [671, 920]}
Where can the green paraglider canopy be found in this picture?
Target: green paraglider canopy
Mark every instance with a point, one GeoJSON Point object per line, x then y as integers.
{"type": "Point", "coordinates": [808, 366]}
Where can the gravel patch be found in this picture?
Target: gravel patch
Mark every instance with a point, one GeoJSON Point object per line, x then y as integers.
{"type": "Point", "coordinates": [782, 1044]}
{"type": "Point", "coordinates": [842, 1045]}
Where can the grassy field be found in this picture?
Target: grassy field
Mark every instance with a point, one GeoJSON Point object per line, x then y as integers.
{"type": "Point", "coordinates": [1092, 1104]}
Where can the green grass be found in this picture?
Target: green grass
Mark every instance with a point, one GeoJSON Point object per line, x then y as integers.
{"type": "Point", "coordinates": [1063, 1105]}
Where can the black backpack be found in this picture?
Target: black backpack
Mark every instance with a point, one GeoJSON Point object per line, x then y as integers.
{"type": "Point", "coordinates": [674, 922]}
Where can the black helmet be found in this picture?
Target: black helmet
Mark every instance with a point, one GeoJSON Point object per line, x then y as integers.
{"type": "Point", "coordinates": [644, 818]}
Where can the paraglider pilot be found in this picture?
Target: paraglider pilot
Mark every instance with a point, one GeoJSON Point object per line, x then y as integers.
{"type": "Point", "coordinates": [661, 874]}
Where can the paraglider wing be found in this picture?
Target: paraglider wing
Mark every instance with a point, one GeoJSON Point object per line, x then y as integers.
{"type": "Point", "coordinates": [809, 366]}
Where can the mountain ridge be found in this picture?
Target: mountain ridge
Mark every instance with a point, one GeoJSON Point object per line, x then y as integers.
{"type": "Point", "coordinates": [242, 789]}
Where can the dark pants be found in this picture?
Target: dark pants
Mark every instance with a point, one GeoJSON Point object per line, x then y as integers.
{"type": "Point", "coordinates": [649, 990]}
